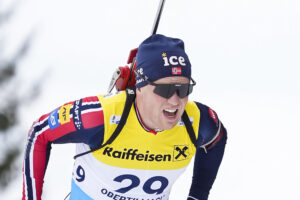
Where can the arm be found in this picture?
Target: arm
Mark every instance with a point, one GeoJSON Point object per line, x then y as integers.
{"type": "Point", "coordinates": [75, 122]}
{"type": "Point", "coordinates": [212, 137]}
{"type": "Point", "coordinates": [206, 167]}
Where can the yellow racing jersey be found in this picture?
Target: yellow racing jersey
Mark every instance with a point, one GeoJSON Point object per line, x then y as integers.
{"type": "Point", "coordinates": [138, 164]}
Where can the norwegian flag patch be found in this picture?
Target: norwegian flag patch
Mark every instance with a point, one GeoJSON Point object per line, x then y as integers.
{"type": "Point", "coordinates": [176, 70]}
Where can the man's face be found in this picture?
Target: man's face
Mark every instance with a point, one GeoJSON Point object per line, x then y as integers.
{"type": "Point", "coordinates": [158, 112]}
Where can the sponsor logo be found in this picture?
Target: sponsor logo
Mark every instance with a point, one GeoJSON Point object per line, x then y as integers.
{"type": "Point", "coordinates": [181, 123]}
{"type": "Point", "coordinates": [173, 60]}
{"type": "Point", "coordinates": [140, 71]}
{"type": "Point", "coordinates": [114, 119]}
{"type": "Point", "coordinates": [53, 119]}
{"type": "Point", "coordinates": [130, 91]}
{"type": "Point", "coordinates": [176, 70]}
{"type": "Point", "coordinates": [114, 195]}
{"type": "Point", "coordinates": [134, 154]}
{"type": "Point", "coordinates": [140, 80]}
{"type": "Point", "coordinates": [64, 114]}
{"type": "Point", "coordinates": [140, 76]}
{"type": "Point", "coordinates": [122, 195]}
{"type": "Point", "coordinates": [77, 115]}
{"type": "Point", "coordinates": [181, 152]}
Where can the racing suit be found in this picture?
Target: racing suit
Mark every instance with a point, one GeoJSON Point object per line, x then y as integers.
{"type": "Point", "coordinates": [138, 164]}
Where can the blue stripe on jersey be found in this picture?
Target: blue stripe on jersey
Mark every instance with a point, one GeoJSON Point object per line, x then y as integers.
{"type": "Point", "coordinates": [28, 179]}
{"type": "Point", "coordinates": [82, 106]}
{"type": "Point", "coordinates": [92, 137]}
{"type": "Point", "coordinates": [77, 193]}
{"type": "Point", "coordinates": [35, 130]}
{"type": "Point", "coordinates": [86, 106]}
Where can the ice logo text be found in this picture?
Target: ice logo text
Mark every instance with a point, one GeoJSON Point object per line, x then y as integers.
{"type": "Point", "coordinates": [173, 60]}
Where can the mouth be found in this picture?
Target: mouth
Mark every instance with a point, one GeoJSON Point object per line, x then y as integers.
{"type": "Point", "coordinates": [170, 113]}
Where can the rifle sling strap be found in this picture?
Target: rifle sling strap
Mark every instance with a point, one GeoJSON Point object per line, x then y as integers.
{"type": "Point", "coordinates": [130, 96]}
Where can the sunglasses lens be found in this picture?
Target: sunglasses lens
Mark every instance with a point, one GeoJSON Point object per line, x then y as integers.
{"type": "Point", "coordinates": [183, 90]}
{"type": "Point", "coordinates": [168, 90]}
{"type": "Point", "coordinates": [164, 90]}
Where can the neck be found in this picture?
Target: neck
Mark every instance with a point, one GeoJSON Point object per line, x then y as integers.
{"type": "Point", "coordinates": [142, 122]}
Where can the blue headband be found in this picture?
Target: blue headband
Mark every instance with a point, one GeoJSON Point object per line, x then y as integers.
{"type": "Point", "coordinates": [160, 56]}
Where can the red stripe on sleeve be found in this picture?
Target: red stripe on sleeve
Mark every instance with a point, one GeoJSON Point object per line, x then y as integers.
{"type": "Point", "coordinates": [23, 192]}
{"type": "Point", "coordinates": [44, 117]}
{"type": "Point", "coordinates": [59, 131]}
{"type": "Point", "coordinates": [90, 99]}
{"type": "Point", "coordinates": [39, 163]}
{"type": "Point", "coordinates": [216, 140]}
{"type": "Point", "coordinates": [92, 119]}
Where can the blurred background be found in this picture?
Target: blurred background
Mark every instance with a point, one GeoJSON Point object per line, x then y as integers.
{"type": "Point", "coordinates": [245, 56]}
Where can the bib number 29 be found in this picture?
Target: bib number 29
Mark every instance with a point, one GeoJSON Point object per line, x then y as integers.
{"type": "Point", "coordinates": [154, 185]}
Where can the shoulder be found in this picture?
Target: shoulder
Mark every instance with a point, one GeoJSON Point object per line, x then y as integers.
{"type": "Point", "coordinates": [112, 98]}
{"type": "Point", "coordinates": [113, 105]}
{"type": "Point", "coordinates": [209, 125]}
{"type": "Point", "coordinates": [86, 113]}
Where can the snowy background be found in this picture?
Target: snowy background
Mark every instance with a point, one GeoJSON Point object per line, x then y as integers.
{"type": "Point", "coordinates": [245, 56]}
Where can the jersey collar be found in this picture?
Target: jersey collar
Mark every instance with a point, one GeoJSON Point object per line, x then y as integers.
{"type": "Point", "coordinates": [142, 123]}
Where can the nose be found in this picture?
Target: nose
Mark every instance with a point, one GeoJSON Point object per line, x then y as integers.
{"type": "Point", "coordinates": [174, 99]}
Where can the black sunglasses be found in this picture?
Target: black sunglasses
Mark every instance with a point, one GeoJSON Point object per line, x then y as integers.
{"type": "Point", "coordinates": [168, 90]}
